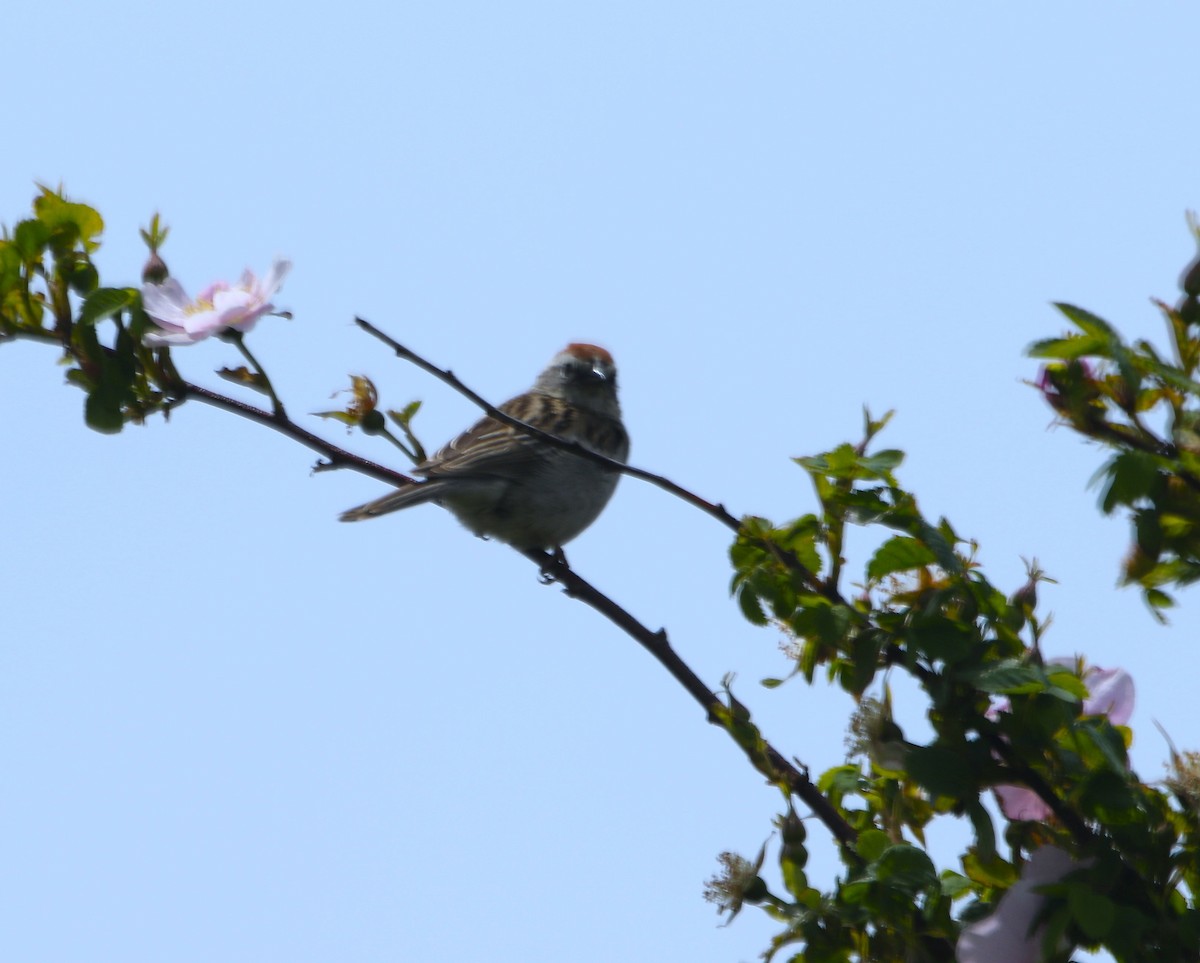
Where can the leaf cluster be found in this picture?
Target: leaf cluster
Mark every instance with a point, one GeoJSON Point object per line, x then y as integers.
{"type": "Point", "coordinates": [1000, 716]}
{"type": "Point", "coordinates": [1141, 402]}
{"type": "Point", "coordinates": [50, 290]}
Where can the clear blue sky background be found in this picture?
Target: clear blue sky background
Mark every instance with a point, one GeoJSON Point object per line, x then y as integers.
{"type": "Point", "coordinates": [233, 729]}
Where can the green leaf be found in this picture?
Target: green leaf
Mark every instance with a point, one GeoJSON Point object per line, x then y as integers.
{"type": "Point", "coordinates": [1132, 475]}
{"type": "Point", "coordinates": [68, 219]}
{"type": "Point", "coordinates": [871, 844]}
{"type": "Point", "coordinates": [794, 879]}
{"type": "Point", "coordinates": [750, 605]}
{"type": "Point", "coordinates": [940, 771]}
{"type": "Point", "coordinates": [858, 671]}
{"type": "Point", "coordinates": [992, 871]}
{"type": "Point", "coordinates": [1008, 677]}
{"type": "Point", "coordinates": [102, 411]}
{"type": "Point", "coordinates": [898, 554]}
{"type": "Point", "coordinates": [1158, 599]}
{"type": "Point", "coordinates": [1092, 911]}
{"type": "Point", "coordinates": [885, 460]}
{"type": "Point", "coordinates": [985, 832]}
{"type": "Point", "coordinates": [105, 302]}
{"type": "Point", "coordinates": [1067, 349]}
{"type": "Point", "coordinates": [820, 619]}
{"type": "Point", "coordinates": [1108, 797]}
{"type": "Point", "coordinates": [907, 867]}
{"type": "Point", "coordinates": [839, 782]}
{"type": "Point", "coordinates": [955, 884]}
{"type": "Point", "coordinates": [406, 414]}
{"type": "Point", "coordinates": [1106, 740]}
{"type": "Point", "coordinates": [31, 238]}
{"type": "Point", "coordinates": [1087, 322]}
{"type": "Point", "coordinates": [942, 639]}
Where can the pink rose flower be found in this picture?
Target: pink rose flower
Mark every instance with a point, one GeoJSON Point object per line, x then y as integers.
{"type": "Point", "coordinates": [219, 306]}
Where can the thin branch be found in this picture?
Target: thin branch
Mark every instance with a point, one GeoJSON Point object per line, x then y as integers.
{"type": "Point", "coordinates": [335, 457]}
{"type": "Point", "coordinates": [555, 568]}
{"type": "Point", "coordinates": [238, 340]}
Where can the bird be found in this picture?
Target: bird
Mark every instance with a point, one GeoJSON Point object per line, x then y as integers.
{"type": "Point", "coordinates": [506, 484]}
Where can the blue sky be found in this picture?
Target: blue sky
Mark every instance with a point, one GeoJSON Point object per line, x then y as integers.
{"type": "Point", "coordinates": [234, 729]}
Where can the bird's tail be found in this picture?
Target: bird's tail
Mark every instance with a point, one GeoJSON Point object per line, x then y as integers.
{"type": "Point", "coordinates": [413, 494]}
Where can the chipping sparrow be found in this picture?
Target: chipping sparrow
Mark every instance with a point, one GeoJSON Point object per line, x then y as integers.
{"type": "Point", "coordinates": [507, 484]}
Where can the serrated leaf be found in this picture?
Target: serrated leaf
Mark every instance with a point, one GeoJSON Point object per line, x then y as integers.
{"type": "Point", "coordinates": [31, 238]}
{"type": "Point", "coordinates": [898, 554]}
{"type": "Point", "coordinates": [750, 605]}
{"type": "Point", "coordinates": [105, 302]}
{"type": "Point", "coordinates": [78, 220]}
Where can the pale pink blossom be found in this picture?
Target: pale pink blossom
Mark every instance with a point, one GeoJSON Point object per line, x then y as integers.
{"type": "Point", "coordinates": [1008, 934]}
{"type": "Point", "coordinates": [182, 320]}
{"type": "Point", "coordinates": [1110, 693]}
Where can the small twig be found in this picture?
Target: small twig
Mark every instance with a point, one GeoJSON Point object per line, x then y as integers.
{"type": "Point", "coordinates": [238, 340]}
{"type": "Point", "coordinates": [408, 453]}
{"type": "Point", "coordinates": [555, 568]}
{"type": "Point", "coordinates": [337, 457]}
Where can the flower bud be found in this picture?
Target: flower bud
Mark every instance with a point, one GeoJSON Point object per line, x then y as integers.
{"type": "Point", "coordinates": [155, 270]}
{"type": "Point", "coordinates": [1189, 310]}
{"type": "Point", "coordinates": [792, 829]}
{"type": "Point", "coordinates": [1189, 280]}
{"type": "Point", "coordinates": [1025, 598]}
